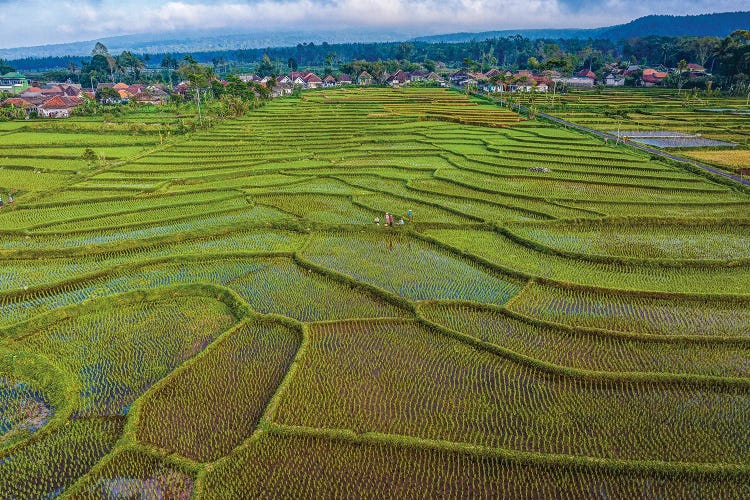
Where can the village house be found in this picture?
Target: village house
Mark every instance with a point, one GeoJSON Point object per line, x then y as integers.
{"type": "Point", "coordinates": [397, 78]}
{"type": "Point", "coordinates": [312, 81]}
{"type": "Point", "coordinates": [151, 95]}
{"type": "Point", "coordinates": [492, 73]}
{"type": "Point", "coordinates": [329, 81]}
{"type": "Point", "coordinates": [20, 103]}
{"type": "Point", "coordinates": [59, 106]}
{"type": "Point", "coordinates": [364, 78]}
{"type": "Point", "coordinates": [435, 78]}
{"type": "Point", "coordinates": [613, 80]}
{"type": "Point", "coordinates": [575, 81]}
{"type": "Point", "coordinates": [343, 79]}
{"type": "Point", "coordinates": [13, 83]}
{"type": "Point", "coordinates": [652, 77]}
{"type": "Point", "coordinates": [696, 70]}
{"type": "Point", "coordinates": [460, 78]}
{"type": "Point", "coordinates": [281, 89]}
{"type": "Point", "coordinates": [417, 76]}
{"type": "Point", "coordinates": [305, 80]}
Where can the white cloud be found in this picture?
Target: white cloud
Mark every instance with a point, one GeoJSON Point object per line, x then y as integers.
{"type": "Point", "coordinates": [88, 19]}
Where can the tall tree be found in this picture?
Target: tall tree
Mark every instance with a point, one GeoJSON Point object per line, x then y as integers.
{"type": "Point", "coordinates": [101, 50]}
{"type": "Point", "coordinates": [128, 61]}
{"type": "Point", "coordinates": [199, 78]}
{"type": "Point", "coordinates": [265, 68]}
{"type": "Point", "coordinates": [681, 67]}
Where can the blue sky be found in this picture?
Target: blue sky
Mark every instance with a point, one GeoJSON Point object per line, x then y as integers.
{"type": "Point", "coordinates": [36, 22]}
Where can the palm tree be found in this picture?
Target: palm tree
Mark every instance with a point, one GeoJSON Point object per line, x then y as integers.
{"type": "Point", "coordinates": [681, 66]}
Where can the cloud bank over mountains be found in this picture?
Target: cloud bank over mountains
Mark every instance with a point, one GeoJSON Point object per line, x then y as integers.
{"type": "Point", "coordinates": [67, 21]}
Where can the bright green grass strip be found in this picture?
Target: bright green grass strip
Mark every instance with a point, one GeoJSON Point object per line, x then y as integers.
{"type": "Point", "coordinates": [117, 353]}
{"type": "Point", "coordinates": [679, 210]}
{"type": "Point", "coordinates": [474, 208]}
{"type": "Point", "coordinates": [430, 386]}
{"type": "Point", "coordinates": [269, 285]}
{"type": "Point", "coordinates": [538, 206]}
{"type": "Point", "coordinates": [500, 250]}
{"type": "Point", "coordinates": [281, 466]}
{"type": "Point", "coordinates": [631, 313]}
{"type": "Point", "coordinates": [75, 140]}
{"type": "Point", "coordinates": [399, 207]}
{"type": "Point", "coordinates": [216, 402]}
{"type": "Point", "coordinates": [579, 190]}
{"type": "Point", "coordinates": [409, 268]}
{"type": "Point", "coordinates": [27, 216]}
{"type": "Point", "coordinates": [584, 351]}
{"type": "Point", "coordinates": [28, 180]}
{"type": "Point", "coordinates": [311, 185]}
{"type": "Point", "coordinates": [147, 216]}
{"type": "Point", "coordinates": [644, 241]}
{"type": "Point", "coordinates": [319, 208]}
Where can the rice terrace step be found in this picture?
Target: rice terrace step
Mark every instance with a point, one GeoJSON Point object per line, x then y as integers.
{"type": "Point", "coordinates": [442, 268]}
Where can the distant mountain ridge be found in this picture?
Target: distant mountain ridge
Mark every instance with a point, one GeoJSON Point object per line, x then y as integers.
{"type": "Point", "coordinates": [184, 42]}
{"type": "Point", "coordinates": [720, 24]}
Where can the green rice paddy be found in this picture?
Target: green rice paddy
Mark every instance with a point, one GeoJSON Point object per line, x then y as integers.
{"type": "Point", "coordinates": [226, 315]}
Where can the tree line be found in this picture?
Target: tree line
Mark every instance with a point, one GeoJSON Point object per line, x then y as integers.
{"type": "Point", "coordinates": [728, 59]}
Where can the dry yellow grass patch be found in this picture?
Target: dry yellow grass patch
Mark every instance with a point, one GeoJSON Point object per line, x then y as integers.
{"type": "Point", "coordinates": [732, 158]}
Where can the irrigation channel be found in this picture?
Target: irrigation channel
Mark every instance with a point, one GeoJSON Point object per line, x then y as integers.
{"type": "Point", "coordinates": [605, 135]}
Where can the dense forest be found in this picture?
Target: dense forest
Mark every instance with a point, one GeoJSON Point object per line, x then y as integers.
{"type": "Point", "coordinates": [727, 59]}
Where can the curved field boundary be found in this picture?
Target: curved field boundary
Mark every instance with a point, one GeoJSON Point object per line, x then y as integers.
{"type": "Point", "coordinates": [600, 258]}
{"type": "Point", "coordinates": [709, 381]}
{"type": "Point", "coordinates": [681, 160]}
{"type": "Point", "coordinates": [591, 463]}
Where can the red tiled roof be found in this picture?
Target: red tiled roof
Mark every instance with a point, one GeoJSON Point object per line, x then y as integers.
{"type": "Point", "coordinates": [312, 78]}
{"type": "Point", "coordinates": [61, 102]}
{"type": "Point", "coordinates": [399, 76]}
{"type": "Point", "coordinates": [53, 91]}
{"type": "Point", "coordinates": [16, 102]}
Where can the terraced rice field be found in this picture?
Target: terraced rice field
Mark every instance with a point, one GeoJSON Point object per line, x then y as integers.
{"type": "Point", "coordinates": [717, 129]}
{"type": "Point", "coordinates": [220, 316]}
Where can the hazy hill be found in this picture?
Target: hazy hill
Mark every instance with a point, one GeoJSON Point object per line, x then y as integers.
{"type": "Point", "coordinates": [176, 42]}
{"type": "Point", "coordinates": [185, 42]}
{"type": "Point", "coordinates": [719, 25]}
